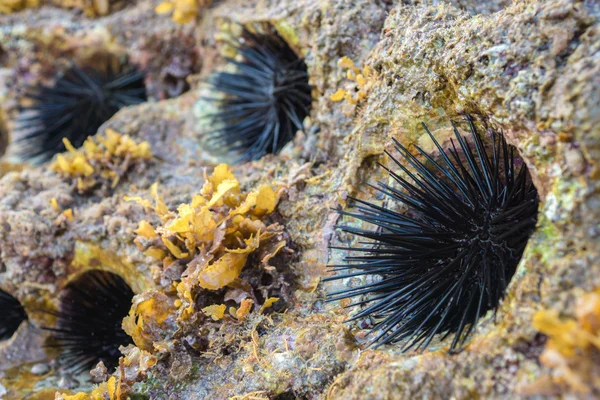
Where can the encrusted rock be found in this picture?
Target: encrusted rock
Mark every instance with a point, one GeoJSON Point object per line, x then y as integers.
{"type": "Point", "coordinates": [234, 308]}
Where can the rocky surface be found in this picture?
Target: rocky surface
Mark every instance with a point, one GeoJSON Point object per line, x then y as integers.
{"type": "Point", "coordinates": [530, 69]}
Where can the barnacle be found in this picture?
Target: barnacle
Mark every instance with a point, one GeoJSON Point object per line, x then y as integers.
{"type": "Point", "coordinates": [266, 97]}
{"type": "Point", "coordinates": [11, 315]}
{"type": "Point", "coordinates": [102, 160]}
{"type": "Point", "coordinates": [448, 258]}
{"type": "Point", "coordinates": [88, 327]}
{"type": "Point", "coordinates": [76, 105]}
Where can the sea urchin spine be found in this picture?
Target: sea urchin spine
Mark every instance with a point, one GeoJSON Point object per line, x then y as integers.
{"type": "Point", "coordinates": [88, 327]}
{"type": "Point", "coordinates": [75, 106]}
{"type": "Point", "coordinates": [447, 259]}
{"type": "Point", "coordinates": [265, 100]}
{"type": "Point", "coordinates": [11, 315]}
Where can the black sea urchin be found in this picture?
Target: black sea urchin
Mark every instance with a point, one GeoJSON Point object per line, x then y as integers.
{"type": "Point", "coordinates": [265, 100]}
{"type": "Point", "coordinates": [445, 261]}
{"type": "Point", "coordinates": [88, 327]}
{"type": "Point", "coordinates": [76, 105]}
{"type": "Point", "coordinates": [11, 315]}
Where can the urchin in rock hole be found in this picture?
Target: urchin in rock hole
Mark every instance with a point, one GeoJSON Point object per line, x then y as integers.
{"type": "Point", "coordinates": [75, 106]}
{"type": "Point", "coordinates": [12, 314]}
{"type": "Point", "coordinates": [447, 257]}
{"type": "Point", "coordinates": [264, 100]}
{"type": "Point", "coordinates": [88, 322]}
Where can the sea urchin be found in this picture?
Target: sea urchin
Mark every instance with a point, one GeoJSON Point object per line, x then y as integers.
{"type": "Point", "coordinates": [446, 258]}
{"type": "Point", "coordinates": [265, 99]}
{"type": "Point", "coordinates": [88, 327]}
{"type": "Point", "coordinates": [76, 105]}
{"type": "Point", "coordinates": [11, 315]}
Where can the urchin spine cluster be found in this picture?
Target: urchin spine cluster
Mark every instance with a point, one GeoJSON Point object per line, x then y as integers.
{"type": "Point", "coordinates": [264, 101]}
{"type": "Point", "coordinates": [78, 103]}
{"type": "Point", "coordinates": [11, 315]}
{"type": "Point", "coordinates": [88, 323]}
{"type": "Point", "coordinates": [447, 257]}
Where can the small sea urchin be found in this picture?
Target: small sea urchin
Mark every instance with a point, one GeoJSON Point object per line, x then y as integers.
{"type": "Point", "coordinates": [76, 105]}
{"type": "Point", "coordinates": [11, 315]}
{"type": "Point", "coordinates": [447, 258]}
{"type": "Point", "coordinates": [265, 99]}
{"type": "Point", "coordinates": [88, 327]}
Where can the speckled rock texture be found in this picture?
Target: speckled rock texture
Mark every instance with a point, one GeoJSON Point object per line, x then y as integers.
{"type": "Point", "coordinates": [529, 68]}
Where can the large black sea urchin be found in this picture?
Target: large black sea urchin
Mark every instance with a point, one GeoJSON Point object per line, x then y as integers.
{"type": "Point", "coordinates": [265, 99]}
{"type": "Point", "coordinates": [443, 261]}
{"type": "Point", "coordinates": [88, 324]}
{"type": "Point", "coordinates": [78, 103]}
{"type": "Point", "coordinates": [11, 315]}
